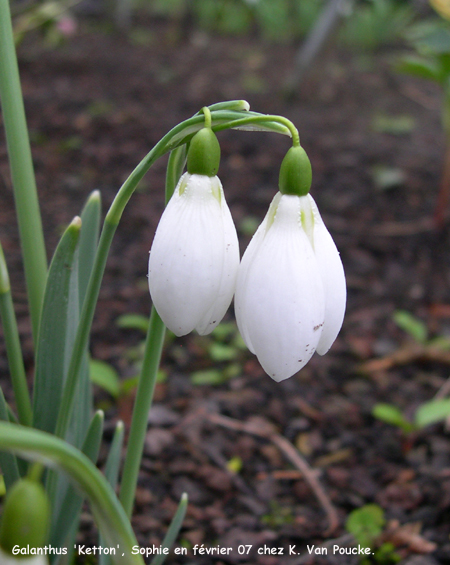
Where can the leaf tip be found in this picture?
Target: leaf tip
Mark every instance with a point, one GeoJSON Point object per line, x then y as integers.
{"type": "Point", "coordinates": [76, 222]}
{"type": "Point", "coordinates": [95, 196]}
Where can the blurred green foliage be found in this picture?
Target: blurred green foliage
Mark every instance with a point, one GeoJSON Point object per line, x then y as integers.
{"type": "Point", "coordinates": [369, 23]}
{"type": "Point", "coordinates": [366, 24]}
{"type": "Point", "coordinates": [375, 23]}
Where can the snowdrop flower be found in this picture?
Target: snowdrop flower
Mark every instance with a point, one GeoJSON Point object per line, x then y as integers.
{"type": "Point", "coordinates": [195, 253]}
{"type": "Point", "coordinates": [290, 294]}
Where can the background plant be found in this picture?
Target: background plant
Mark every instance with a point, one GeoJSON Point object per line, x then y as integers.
{"type": "Point", "coordinates": [430, 40]}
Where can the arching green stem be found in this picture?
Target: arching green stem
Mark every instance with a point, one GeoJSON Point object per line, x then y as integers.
{"type": "Point", "coordinates": [260, 119]}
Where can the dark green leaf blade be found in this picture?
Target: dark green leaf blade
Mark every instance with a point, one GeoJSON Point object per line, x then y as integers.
{"type": "Point", "coordinates": [50, 354]}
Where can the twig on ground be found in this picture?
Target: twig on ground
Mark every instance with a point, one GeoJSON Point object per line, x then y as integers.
{"type": "Point", "coordinates": [261, 428]}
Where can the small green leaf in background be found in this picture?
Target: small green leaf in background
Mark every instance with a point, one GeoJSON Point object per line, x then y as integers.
{"type": "Point", "coordinates": [133, 322]}
{"type": "Point", "coordinates": [392, 415]}
{"type": "Point", "coordinates": [440, 342]}
{"type": "Point", "coordinates": [411, 325]}
{"type": "Point", "coordinates": [104, 376]}
{"type": "Point", "coordinates": [366, 524]}
{"type": "Point", "coordinates": [432, 412]}
{"type": "Point", "coordinates": [385, 177]}
{"type": "Point", "coordinates": [394, 125]}
{"type": "Point", "coordinates": [234, 465]}
{"type": "Point", "coordinates": [224, 330]}
{"type": "Point", "coordinates": [418, 67]}
{"type": "Point", "coordinates": [221, 352]}
{"type": "Point", "coordinates": [207, 377]}
{"type": "Point", "coordinates": [248, 225]}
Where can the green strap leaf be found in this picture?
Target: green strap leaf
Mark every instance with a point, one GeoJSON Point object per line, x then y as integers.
{"type": "Point", "coordinates": [112, 473]}
{"type": "Point", "coordinates": [51, 349]}
{"type": "Point", "coordinates": [107, 510]}
{"type": "Point", "coordinates": [13, 348]}
{"type": "Point", "coordinates": [173, 530]}
{"type": "Point", "coordinates": [71, 502]}
{"type": "Point", "coordinates": [8, 461]}
{"type": "Point", "coordinates": [90, 231]}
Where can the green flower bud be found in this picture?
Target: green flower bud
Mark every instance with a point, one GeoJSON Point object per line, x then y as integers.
{"type": "Point", "coordinates": [295, 173]}
{"type": "Point", "coordinates": [26, 516]}
{"type": "Point", "coordinates": [203, 156]}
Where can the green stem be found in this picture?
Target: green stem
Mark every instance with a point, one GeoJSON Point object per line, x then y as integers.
{"type": "Point", "coordinates": [24, 184]}
{"type": "Point", "coordinates": [144, 396]}
{"type": "Point", "coordinates": [152, 357]}
{"type": "Point", "coordinates": [207, 113]}
{"type": "Point", "coordinates": [13, 349]}
{"type": "Point", "coordinates": [253, 119]}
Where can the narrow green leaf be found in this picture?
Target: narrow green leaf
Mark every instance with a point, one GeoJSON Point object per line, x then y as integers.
{"type": "Point", "coordinates": [107, 510]}
{"type": "Point", "coordinates": [90, 230]}
{"type": "Point", "coordinates": [115, 454]}
{"type": "Point", "coordinates": [112, 472]}
{"type": "Point", "coordinates": [13, 348]}
{"type": "Point", "coordinates": [8, 461]}
{"type": "Point", "coordinates": [432, 412]}
{"type": "Point", "coordinates": [105, 376]}
{"type": "Point", "coordinates": [66, 518]}
{"type": "Point", "coordinates": [21, 166]}
{"type": "Point", "coordinates": [392, 415]}
{"type": "Point", "coordinates": [50, 354]}
{"type": "Point", "coordinates": [411, 325]}
{"type": "Point", "coordinates": [174, 528]}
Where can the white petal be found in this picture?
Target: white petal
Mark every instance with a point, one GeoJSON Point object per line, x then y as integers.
{"type": "Point", "coordinates": [240, 302]}
{"type": "Point", "coordinates": [333, 278]}
{"type": "Point", "coordinates": [280, 295]}
{"type": "Point", "coordinates": [229, 272]}
{"type": "Point", "coordinates": [187, 255]}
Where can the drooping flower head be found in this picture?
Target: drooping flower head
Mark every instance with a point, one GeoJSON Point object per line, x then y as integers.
{"type": "Point", "coordinates": [195, 253]}
{"type": "Point", "coordinates": [290, 294]}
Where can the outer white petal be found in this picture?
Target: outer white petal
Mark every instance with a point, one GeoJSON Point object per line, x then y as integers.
{"type": "Point", "coordinates": [229, 272]}
{"type": "Point", "coordinates": [187, 255]}
{"type": "Point", "coordinates": [240, 302]}
{"type": "Point", "coordinates": [333, 278]}
{"type": "Point", "coordinates": [280, 295]}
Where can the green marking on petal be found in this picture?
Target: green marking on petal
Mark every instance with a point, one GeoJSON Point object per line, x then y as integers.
{"type": "Point", "coordinates": [182, 187]}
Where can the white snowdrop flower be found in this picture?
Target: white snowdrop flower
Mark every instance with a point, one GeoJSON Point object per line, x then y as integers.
{"type": "Point", "coordinates": [290, 292]}
{"type": "Point", "coordinates": [195, 254]}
